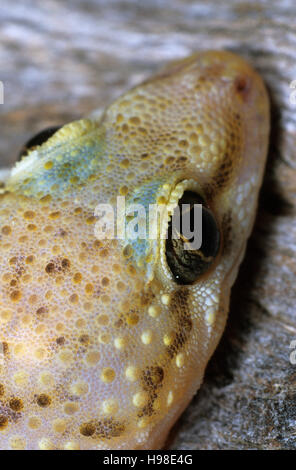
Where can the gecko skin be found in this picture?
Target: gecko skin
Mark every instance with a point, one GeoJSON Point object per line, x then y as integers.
{"type": "Point", "coordinates": [105, 342]}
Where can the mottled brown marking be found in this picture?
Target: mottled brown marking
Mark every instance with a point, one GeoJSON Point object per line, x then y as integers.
{"type": "Point", "coordinates": [108, 428]}
{"type": "Point", "coordinates": [42, 311]}
{"type": "Point", "coordinates": [87, 429]}
{"type": "Point", "coordinates": [224, 172]}
{"type": "Point", "coordinates": [50, 268]}
{"type": "Point", "coordinates": [60, 341]}
{"type": "Point", "coordinates": [4, 349]}
{"type": "Point", "coordinates": [16, 404]}
{"type": "Point", "coordinates": [3, 422]}
{"type": "Point", "coordinates": [43, 400]}
{"type": "Point", "coordinates": [18, 266]}
{"type": "Point", "coordinates": [58, 265]}
{"type": "Point", "coordinates": [102, 429]}
{"type": "Point", "coordinates": [152, 378]}
{"type": "Point", "coordinates": [179, 308]}
{"type": "Point", "coordinates": [84, 339]}
{"type": "Point", "coordinates": [148, 410]}
{"type": "Point", "coordinates": [65, 264]}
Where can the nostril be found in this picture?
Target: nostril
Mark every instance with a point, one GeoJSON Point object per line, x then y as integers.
{"type": "Point", "coordinates": [242, 85]}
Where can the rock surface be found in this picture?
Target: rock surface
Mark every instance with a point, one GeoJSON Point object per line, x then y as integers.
{"type": "Point", "coordinates": [59, 63]}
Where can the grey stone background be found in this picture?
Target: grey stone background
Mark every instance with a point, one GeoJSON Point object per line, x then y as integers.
{"type": "Point", "coordinates": [61, 59]}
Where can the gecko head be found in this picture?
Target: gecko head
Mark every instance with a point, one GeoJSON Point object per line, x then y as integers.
{"type": "Point", "coordinates": [105, 340]}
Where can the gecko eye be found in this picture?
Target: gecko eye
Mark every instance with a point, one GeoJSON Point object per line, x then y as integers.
{"type": "Point", "coordinates": [187, 265]}
{"type": "Point", "coordinates": [38, 139]}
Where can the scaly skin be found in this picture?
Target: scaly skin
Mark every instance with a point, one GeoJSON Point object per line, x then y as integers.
{"type": "Point", "coordinates": [102, 349]}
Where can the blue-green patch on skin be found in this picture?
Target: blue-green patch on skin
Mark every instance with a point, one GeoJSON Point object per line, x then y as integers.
{"type": "Point", "coordinates": [60, 169]}
{"type": "Point", "coordinates": [144, 195]}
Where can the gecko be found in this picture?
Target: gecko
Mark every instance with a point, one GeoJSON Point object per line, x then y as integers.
{"type": "Point", "coordinates": [104, 342]}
